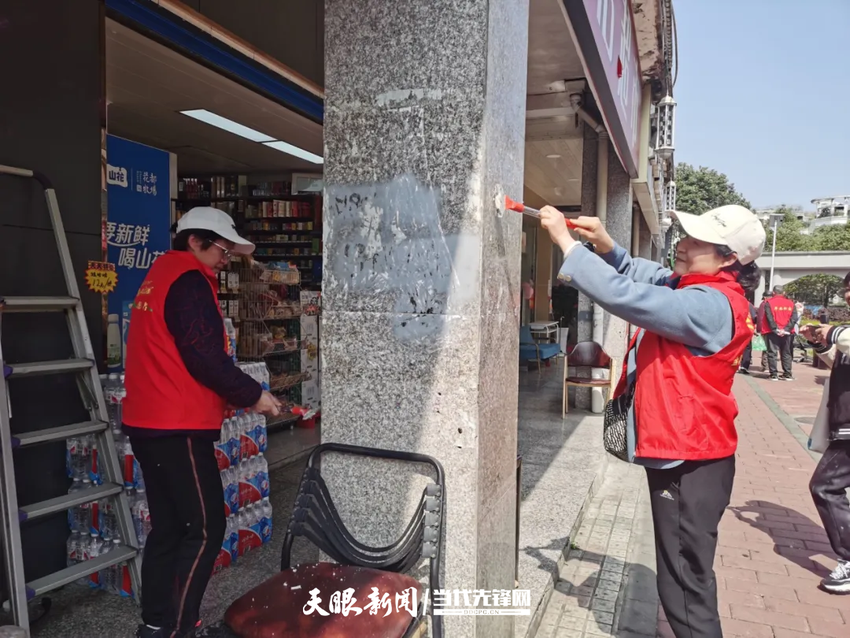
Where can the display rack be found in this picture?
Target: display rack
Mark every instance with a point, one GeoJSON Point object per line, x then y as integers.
{"type": "Point", "coordinates": [270, 328]}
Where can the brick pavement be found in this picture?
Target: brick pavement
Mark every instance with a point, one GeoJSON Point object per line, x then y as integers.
{"type": "Point", "coordinates": [772, 551]}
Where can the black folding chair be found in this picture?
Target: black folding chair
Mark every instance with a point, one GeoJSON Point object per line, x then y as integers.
{"type": "Point", "coordinates": [315, 518]}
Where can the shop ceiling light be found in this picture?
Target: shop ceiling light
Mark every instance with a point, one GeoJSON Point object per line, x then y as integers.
{"type": "Point", "coordinates": [284, 147]}
{"type": "Point", "coordinates": [208, 117]}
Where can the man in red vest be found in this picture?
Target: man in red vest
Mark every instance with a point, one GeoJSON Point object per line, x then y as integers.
{"type": "Point", "coordinates": [180, 379]}
{"type": "Point", "coordinates": [780, 314]}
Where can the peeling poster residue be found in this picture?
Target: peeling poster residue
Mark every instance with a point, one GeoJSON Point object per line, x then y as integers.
{"type": "Point", "coordinates": [386, 240]}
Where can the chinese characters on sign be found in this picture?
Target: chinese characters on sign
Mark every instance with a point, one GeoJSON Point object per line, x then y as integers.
{"type": "Point", "coordinates": [131, 240]}
{"type": "Point", "coordinates": [447, 602]}
{"type": "Point", "coordinates": [101, 276]}
{"type": "Point", "coordinates": [146, 183]}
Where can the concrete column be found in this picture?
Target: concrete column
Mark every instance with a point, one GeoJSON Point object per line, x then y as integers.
{"type": "Point", "coordinates": [424, 126]}
{"type": "Point", "coordinates": [619, 225]}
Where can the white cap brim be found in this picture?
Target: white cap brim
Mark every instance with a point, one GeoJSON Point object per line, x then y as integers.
{"type": "Point", "coordinates": [224, 228]}
{"type": "Point", "coordinates": [696, 227]}
{"type": "Point", "coordinates": [241, 246]}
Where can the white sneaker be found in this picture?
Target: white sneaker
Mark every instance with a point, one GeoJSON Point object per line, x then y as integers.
{"type": "Point", "coordinates": [838, 582]}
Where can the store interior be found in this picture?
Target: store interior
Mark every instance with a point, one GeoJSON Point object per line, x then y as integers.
{"type": "Point", "coordinates": [244, 153]}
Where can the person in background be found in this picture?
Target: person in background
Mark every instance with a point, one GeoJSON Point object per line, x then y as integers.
{"type": "Point", "coordinates": [762, 328]}
{"type": "Point", "coordinates": [180, 378]}
{"type": "Point", "coordinates": [747, 359]}
{"type": "Point", "coordinates": [781, 317]}
{"type": "Point", "coordinates": [694, 325]}
{"type": "Point", "coordinates": [831, 478]}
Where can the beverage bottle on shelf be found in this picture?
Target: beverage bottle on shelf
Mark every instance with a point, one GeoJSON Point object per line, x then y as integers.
{"type": "Point", "coordinates": [112, 384]}
{"type": "Point", "coordinates": [119, 577]}
{"type": "Point", "coordinates": [138, 477]}
{"type": "Point", "coordinates": [85, 456]}
{"type": "Point", "coordinates": [84, 554]}
{"type": "Point", "coordinates": [233, 535]}
{"type": "Point", "coordinates": [261, 476]}
{"type": "Point", "coordinates": [265, 377]}
{"type": "Point", "coordinates": [74, 514]}
{"type": "Point", "coordinates": [247, 445]}
{"type": "Point", "coordinates": [262, 434]}
{"type": "Point", "coordinates": [94, 547]}
{"type": "Point", "coordinates": [72, 548]}
{"type": "Point", "coordinates": [141, 517]}
{"type": "Point", "coordinates": [225, 553]}
{"type": "Point", "coordinates": [103, 576]}
{"type": "Point", "coordinates": [249, 533]}
{"type": "Point", "coordinates": [93, 461]}
{"type": "Point", "coordinates": [266, 522]}
{"type": "Point", "coordinates": [242, 531]}
{"type": "Point", "coordinates": [72, 457]}
{"type": "Point", "coordinates": [85, 510]}
{"type": "Point", "coordinates": [222, 448]}
{"type": "Point", "coordinates": [118, 396]}
{"type": "Point", "coordinates": [235, 441]}
{"type": "Point", "coordinates": [227, 489]}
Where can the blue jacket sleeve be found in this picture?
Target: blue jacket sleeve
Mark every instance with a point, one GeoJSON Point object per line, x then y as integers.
{"type": "Point", "coordinates": [637, 269]}
{"type": "Point", "coordinates": [696, 316]}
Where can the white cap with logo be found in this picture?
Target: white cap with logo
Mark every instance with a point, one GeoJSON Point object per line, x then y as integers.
{"type": "Point", "coordinates": [733, 226]}
{"type": "Point", "coordinates": [219, 222]}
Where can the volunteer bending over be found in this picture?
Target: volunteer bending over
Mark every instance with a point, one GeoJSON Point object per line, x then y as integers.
{"type": "Point", "coordinates": [695, 325]}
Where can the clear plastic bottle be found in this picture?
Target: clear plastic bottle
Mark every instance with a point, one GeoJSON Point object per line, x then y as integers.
{"type": "Point", "coordinates": [85, 510]}
{"type": "Point", "coordinates": [262, 433]}
{"type": "Point", "coordinates": [95, 545]}
{"type": "Point", "coordinates": [104, 574]}
{"type": "Point", "coordinates": [112, 384]}
{"type": "Point", "coordinates": [72, 549]}
{"type": "Point", "coordinates": [261, 479]}
{"type": "Point", "coordinates": [266, 525]}
{"type": "Point", "coordinates": [74, 514]}
{"type": "Point", "coordinates": [141, 517]}
{"type": "Point", "coordinates": [115, 577]}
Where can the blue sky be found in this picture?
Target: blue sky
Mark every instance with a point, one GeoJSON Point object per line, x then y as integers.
{"type": "Point", "coordinates": [764, 95]}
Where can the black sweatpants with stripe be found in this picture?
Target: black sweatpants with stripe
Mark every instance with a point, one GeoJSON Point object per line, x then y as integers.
{"type": "Point", "coordinates": [688, 502]}
{"type": "Point", "coordinates": [186, 504]}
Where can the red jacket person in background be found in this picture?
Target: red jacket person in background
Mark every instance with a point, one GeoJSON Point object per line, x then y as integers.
{"type": "Point", "coordinates": [780, 314]}
{"type": "Point", "coordinates": [694, 326]}
{"type": "Point", "coordinates": [179, 379]}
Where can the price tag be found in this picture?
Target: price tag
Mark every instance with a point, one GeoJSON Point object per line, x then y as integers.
{"type": "Point", "coordinates": [101, 276]}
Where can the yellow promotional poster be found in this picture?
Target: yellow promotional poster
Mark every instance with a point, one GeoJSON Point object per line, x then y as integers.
{"type": "Point", "coordinates": [101, 276]}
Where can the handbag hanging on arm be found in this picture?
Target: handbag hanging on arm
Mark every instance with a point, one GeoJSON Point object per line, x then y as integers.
{"type": "Point", "coordinates": [615, 424]}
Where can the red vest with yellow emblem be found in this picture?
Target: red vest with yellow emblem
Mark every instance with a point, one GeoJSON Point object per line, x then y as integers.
{"type": "Point", "coordinates": [684, 407]}
{"type": "Point", "coordinates": [161, 394]}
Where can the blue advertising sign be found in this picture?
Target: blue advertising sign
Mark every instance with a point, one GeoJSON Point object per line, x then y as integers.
{"type": "Point", "coordinates": [139, 215]}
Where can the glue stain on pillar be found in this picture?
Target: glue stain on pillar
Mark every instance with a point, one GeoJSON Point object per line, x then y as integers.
{"type": "Point", "coordinates": [387, 252]}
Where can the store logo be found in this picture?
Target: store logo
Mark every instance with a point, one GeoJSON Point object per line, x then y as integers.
{"type": "Point", "coordinates": [117, 176]}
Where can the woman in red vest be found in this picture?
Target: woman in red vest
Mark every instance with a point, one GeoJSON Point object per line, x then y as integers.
{"type": "Point", "coordinates": [180, 378]}
{"type": "Point", "coordinates": [676, 389]}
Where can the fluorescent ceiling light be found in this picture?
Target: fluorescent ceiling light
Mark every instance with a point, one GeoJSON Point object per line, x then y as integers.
{"type": "Point", "coordinates": [230, 126]}
{"type": "Point", "coordinates": [284, 147]}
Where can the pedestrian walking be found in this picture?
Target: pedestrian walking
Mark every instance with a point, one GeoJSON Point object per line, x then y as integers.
{"type": "Point", "coordinates": [694, 325]}
{"type": "Point", "coordinates": [762, 328]}
{"type": "Point", "coordinates": [831, 478]}
{"type": "Point", "coordinates": [780, 313]}
{"type": "Point", "coordinates": [747, 359]}
{"type": "Point", "coordinates": [180, 378]}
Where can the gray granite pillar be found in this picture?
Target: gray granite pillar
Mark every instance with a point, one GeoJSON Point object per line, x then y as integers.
{"type": "Point", "coordinates": [424, 126]}
{"type": "Point", "coordinates": [619, 225]}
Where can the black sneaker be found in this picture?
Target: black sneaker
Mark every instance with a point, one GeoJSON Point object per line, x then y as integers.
{"type": "Point", "coordinates": [838, 582]}
{"type": "Point", "coordinates": [743, 371]}
{"type": "Point", "coordinates": [773, 377]}
{"type": "Point", "coordinates": [788, 378]}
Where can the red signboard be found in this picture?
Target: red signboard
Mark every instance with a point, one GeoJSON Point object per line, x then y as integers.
{"type": "Point", "coordinates": [605, 34]}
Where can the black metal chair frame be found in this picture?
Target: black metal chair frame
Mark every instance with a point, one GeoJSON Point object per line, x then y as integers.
{"type": "Point", "coordinates": [315, 517]}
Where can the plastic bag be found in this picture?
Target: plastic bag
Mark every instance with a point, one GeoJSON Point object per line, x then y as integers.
{"type": "Point", "coordinates": [758, 344]}
{"type": "Point", "coordinates": [819, 439]}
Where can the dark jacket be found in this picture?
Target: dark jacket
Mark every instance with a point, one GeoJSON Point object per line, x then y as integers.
{"type": "Point", "coordinates": [836, 353]}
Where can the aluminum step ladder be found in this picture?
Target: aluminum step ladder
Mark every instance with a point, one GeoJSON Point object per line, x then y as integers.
{"type": "Point", "coordinates": [83, 367]}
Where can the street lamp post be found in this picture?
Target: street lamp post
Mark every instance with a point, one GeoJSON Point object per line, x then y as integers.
{"type": "Point", "coordinates": [775, 220]}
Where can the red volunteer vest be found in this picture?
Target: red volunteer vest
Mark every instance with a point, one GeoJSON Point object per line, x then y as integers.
{"type": "Point", "coordinates": [783, 309]}
{"type": "Point", "coordinates": [161, 394]}
{"type": "Point", "coordinates": [763, 328]}
{"type": "Point", "coordinates": [684, 407]}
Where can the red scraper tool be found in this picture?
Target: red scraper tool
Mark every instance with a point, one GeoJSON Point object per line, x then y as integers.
{"type": "Point", "coordinates": [519, 207]}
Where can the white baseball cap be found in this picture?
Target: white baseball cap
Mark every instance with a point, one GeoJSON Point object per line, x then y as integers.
{"type": "Point", "coordinates": [733, 226]}
{"type": "Point", "coordinates": [219, 222]}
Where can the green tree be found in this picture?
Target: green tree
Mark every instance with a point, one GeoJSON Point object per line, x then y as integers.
{"type": "Point", "coordinates": [789, 237]}
{"type": "Point", "coordinates": [831, 238]}
{"type": "Point", "coordinates": [698, 190]}
{"type": "Point", "coordinates": [815, 289]}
